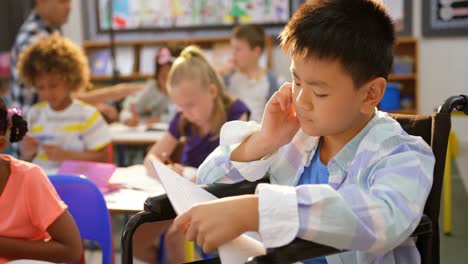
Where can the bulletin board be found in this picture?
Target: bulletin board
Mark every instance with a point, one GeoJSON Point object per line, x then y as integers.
{"type": "Point", "coordinates": [142, 15]}
{"type": "Point", "coordinates": [445, 18]}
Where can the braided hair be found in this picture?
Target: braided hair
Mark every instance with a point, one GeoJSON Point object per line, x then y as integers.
{"type": "Point", "coordinates": [12, 122]}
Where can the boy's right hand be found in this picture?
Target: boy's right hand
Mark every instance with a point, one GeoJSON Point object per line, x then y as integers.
{"type": "Point", "coordinates": [133, 121]}
{"type": "Point", "coordinates": [279, 123]}
{"type": "Point", "coordinates": [28, 147]}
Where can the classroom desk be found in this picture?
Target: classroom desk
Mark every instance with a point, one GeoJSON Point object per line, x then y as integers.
{"type": "Point", "coordinates": [124, 137]}
{"type": "Point", "coordinates": [140, 135]}
{"type": "Point", "coordinates": [136, 187]}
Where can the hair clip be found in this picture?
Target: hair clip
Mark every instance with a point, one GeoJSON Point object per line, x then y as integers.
{"type": "Point", "coordinates": [165, 56]}
{"type": "Point", "coordinates": [12, 111]}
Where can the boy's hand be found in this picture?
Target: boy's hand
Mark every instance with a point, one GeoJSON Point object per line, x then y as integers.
{"type": "Point", "coordinates": [149, 166]}
{"type": "Point", "coordinates": [54, 152]}
{"type": "Point", "coordinates": [28, 147]}
{"type": "Point", "coordinates": [108, 111]}
{"type": "Point", "coordinates": [279, 123]}
{"type": "Point", "coordinates": [152, 120]}
{"type": "Point", "coordinates": [215, 223]}
{"type": "Point", "coordinates": [132, 121]}
{"type": "Point", "coordinates": [178, 168]}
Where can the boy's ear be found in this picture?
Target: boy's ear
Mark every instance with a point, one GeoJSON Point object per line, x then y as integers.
{"type": "Point", "coordinates": [258, 51]}
{"type": "Point", "coordinates": [373, 93]}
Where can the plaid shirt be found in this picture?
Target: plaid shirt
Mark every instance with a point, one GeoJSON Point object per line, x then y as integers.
{"type": "Point", "coordinates": [378, 185]}
{"type": "Point", "coordinates": [34, 26]}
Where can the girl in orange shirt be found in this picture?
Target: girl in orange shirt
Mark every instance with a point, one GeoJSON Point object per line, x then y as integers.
{"type": "Point", "coordinates": [34, 221]}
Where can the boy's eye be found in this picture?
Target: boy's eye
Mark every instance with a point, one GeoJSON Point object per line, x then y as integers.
{"type": "Point", "coordinates": [320, 95]}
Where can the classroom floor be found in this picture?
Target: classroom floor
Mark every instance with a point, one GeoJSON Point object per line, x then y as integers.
{"type": "Point", "coordinates": [453, 248]}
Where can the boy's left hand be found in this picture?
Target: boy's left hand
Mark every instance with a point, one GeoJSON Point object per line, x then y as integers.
{"type": "Point", "coordinates": [215, 223]}
{"type": "Point", "coordinates": [178, 168]}
{"type": "Point", "coordinates": [152, 120]}
{"type": "Point", "coordinates": [108, 111]}
{"type": "Point", "coordinates": [54, 152]}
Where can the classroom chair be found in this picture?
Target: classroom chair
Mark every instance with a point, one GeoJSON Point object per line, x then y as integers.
{"type": "Point", "coordinates": [433, 129]}
{"type": "Point", "coordinates": [89, 210]}
{"type": "Point", "coordinates": [110, 153]}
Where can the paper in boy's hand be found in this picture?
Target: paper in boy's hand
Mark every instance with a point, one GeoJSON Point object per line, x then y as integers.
{"type": "Point", "coordinates": [183, 194]}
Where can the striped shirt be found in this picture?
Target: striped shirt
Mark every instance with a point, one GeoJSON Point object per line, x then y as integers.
{"type": "Point", "coordinates": [80, 127]}
{"type": "Point", "coordinates": [378, 185]}
{"type": "Point", "coordinates": [34, 27]}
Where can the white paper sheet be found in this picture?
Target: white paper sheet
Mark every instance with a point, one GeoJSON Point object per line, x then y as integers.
{"type": "Point", "coordinates": [183, 194]}
{"type": "Point", "coordinates": [135, 177]}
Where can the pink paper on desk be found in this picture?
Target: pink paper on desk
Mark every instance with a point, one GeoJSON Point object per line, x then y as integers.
{"type": "Point", "coordinates": [97, 172]}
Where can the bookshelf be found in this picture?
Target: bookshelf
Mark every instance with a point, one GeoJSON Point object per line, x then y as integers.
{"type": "Point", "coordinates": [405, 47]}
{"type": "Point", "coordinates": [136, 53]}
{"type": "Point", "coordinates": [408, 47]}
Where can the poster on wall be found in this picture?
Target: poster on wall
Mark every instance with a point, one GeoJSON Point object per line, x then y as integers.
{"type": "Point", "coordinates": [445, 18]}
{"type": "Point", "coordinates": [131, 15]}
{"type": "Point", "coordinates": [401, 12]}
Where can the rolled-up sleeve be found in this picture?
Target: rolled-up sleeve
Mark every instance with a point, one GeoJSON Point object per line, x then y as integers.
{"type": "Point", "coordinates": [278, 214]}
{"type": "Point", "coordinates": [218, 166]}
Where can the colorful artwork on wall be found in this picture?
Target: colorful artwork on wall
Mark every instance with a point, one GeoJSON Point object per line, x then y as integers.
{"type": "Point", "coordinates": [130, 15]}
{"type": "Point", "coordinates": [445, 18]}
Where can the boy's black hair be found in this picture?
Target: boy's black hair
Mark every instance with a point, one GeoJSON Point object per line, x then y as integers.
{"type": "Point", "coordinates": [358, 33]}
{"type": "Point", "coordinates": [18, 128]}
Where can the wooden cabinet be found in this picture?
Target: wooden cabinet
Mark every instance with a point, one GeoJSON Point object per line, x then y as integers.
{"type": "Point", "coordinates": [407, 48]}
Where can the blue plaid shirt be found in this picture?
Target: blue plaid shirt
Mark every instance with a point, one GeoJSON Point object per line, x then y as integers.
{"type": "Point", "coordinates": [24, 97]}
{"type": "Point", "coordinates": [378, 185]}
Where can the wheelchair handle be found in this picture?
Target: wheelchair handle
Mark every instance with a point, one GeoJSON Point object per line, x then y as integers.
{"type": "Point", "coordinates": [458, 102]}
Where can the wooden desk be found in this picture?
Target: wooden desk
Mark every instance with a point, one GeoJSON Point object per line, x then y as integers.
{"type": "Point", "coordinates": [140, 135]}
{"type": "Point", "coordinates": [137, 186]}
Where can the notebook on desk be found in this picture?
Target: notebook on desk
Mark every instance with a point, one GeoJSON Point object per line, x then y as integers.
{"type": "Point", "coordinates": [97, 172]}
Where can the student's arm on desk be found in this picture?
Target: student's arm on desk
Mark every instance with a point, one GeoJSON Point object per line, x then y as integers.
{"type": "Point", "coordinates": [161, 150]}
{"type": "Point", "coordinates": [57, 153]}
{"type": "Point", "coordinates": [113, 93]}
{"type": "Point", "coordinates": [65, 244]}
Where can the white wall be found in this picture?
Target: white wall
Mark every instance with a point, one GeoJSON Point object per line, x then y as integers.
{"type": "Point", "coordinates": [74, 28]}
{"type": "Point", "coordinates": [443, 72]}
